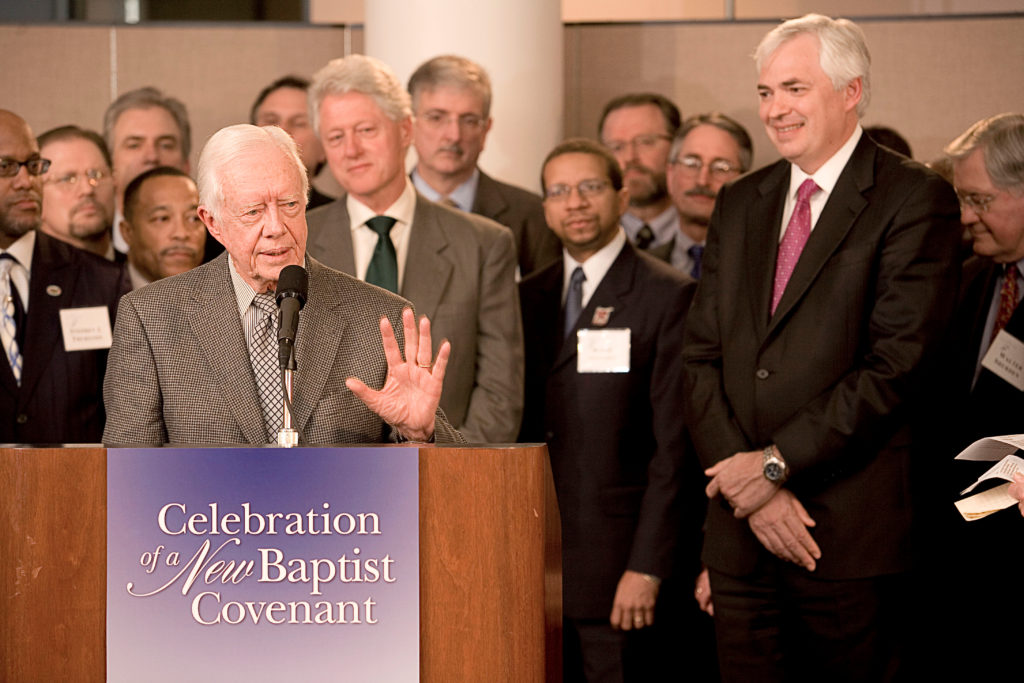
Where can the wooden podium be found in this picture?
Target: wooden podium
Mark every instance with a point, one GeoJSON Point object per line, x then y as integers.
{"type": "Point", "coordinates": [490, 568]}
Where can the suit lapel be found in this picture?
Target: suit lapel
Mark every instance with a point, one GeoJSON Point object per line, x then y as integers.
{"type": "Point", "coordinates": [762, 242]}
{"type": "Point", "coordinates": [845, 204]}
{"type": "Point", "coordinates": [427, 267]}
{"type": "Point", "coordinates": [212, 313]}
{"type": "Point", "coordinates": [321, 327]}
{"type": "Point", "coordinates": [611, 292]}
{"type": "Point", "coordinates": [332, 239]}
{"type": "Point", "coordinates": [488, 201]}
{"type": "Point", "coordinates": [51, 272]}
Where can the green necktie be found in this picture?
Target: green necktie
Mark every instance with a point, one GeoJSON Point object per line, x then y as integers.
{"type": "Point", "coordinates": [383, 270]}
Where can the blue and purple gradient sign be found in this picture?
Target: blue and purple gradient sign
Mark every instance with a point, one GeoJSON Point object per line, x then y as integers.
{"type": "Point", "coordinates": [262, 564]}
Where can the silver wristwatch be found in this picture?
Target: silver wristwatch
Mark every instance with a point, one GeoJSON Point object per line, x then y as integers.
{"type": "Point", "coordinates": [775, 469]}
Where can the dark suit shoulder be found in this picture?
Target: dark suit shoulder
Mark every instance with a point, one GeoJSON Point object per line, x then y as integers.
{"type": "Point", "coordinates": [512, 194]}
{"type": "Point", "coordinates": [325, 215]}
{"type": "Point", "coordinates": [107, 280]}
{"type": "Point", "coordinates": [462, 222]}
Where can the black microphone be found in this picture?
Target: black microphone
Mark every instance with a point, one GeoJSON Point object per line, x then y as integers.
{"type": "Point", "coordinates": [292, 286]}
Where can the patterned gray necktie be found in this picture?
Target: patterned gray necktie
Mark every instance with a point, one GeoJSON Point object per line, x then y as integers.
{"type": "Point", "coordinates": [263, 353]}
{"type": "Point", "coordinates": [8, 330]}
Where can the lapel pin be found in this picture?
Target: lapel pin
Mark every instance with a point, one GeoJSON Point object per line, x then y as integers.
{"type": "Point", "coordinates": [53, 290]}
{"type": "Point", "coordinates": [601, 315]}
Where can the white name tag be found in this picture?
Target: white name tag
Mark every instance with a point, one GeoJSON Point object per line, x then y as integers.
{"type": "Point", "coordinates": [85, 328]}
{"type": "Point", "coordinates": [602, 350]}
{"type": "Point", "coordinates": [1006, 359]}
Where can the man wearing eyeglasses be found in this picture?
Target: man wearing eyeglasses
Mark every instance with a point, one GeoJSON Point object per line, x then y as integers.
{"type": "Point", "coordinates": [708, 151]}
{"type": "Point", "coordinates": [638, 129]}
{"type": "Point", "coordinates": [78, 191]}
{"type": "Point", "coordinates": [988, 400]}
{"type": "Point", "coordinates": [457, 268]}
{"type": "Point", "coordinates": [451, 101]}
{"type": "Point", "coordinates": [604, 329]}
{"type": "Point", "coordinates": [56, 307]}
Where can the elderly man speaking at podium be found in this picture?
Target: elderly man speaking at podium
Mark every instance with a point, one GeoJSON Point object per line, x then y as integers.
{"type": "Point", "coordinates": [194, 356]}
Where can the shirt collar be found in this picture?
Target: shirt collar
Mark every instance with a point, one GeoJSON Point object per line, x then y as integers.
{"type": "Point", "coordinates": [827, 176]}
{"type": "Point", "coordinates": [595, 267]}
{"type": "Point", "coordinates": [664, 225]}
{"type": "Point", "coordinates": [402, 210]}
{"type": "Point", "coordinates": [22, 250]}
{"type": "Point", "coordinates": [244, 294]}
{"type": "Point", "coordinates": [464, 195]}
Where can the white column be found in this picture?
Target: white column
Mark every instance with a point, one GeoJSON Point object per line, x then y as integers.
{"type": "Point", "coordinates": [519, 43]}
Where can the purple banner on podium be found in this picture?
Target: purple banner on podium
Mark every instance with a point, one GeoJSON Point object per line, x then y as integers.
{"type": "Point", "coordinates": [263, 564]}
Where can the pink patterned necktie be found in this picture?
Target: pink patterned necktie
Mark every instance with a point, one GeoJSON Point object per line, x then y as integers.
{"type": "Point", "coordinates": [797, 232]}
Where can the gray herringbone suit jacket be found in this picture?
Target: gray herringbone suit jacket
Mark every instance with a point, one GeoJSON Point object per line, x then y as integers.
{"type": "Point", "coordinates": [179, 371]}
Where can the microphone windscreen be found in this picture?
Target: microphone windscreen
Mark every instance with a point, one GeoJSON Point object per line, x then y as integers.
{"type": "Point", "coordinates": [293, 282]}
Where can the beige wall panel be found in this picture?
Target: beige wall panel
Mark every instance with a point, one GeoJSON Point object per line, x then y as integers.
{"type": "Point", "coordinates": [218, 71]}
{"type": "Point", "coordinates": [52, 76]}
{"type": "Point", "coordinates": [773, 9]}
{"type": "Point", "coordinates": [641, 10]}
{"type": "Point", "coordinates": [337, 11]}
{"type": "Point", "coordinates": [932, 78]}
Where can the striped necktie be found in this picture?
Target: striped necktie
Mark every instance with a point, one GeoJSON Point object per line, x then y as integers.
{"type": "Point", "coordinates": [8, 329]}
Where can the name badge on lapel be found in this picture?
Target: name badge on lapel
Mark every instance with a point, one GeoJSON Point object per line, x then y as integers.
{"type": "Point", "coordinates": [602, 350]}
{"type": "Point", "coordinates": [85, 328]}
{"type": "Point", "coordinates": [1006, 359]}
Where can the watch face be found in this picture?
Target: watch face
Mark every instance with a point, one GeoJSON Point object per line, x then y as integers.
{"type": "Point", "coordinates": [773, 471]}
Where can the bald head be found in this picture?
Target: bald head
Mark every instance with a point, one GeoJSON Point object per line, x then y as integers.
{"type": "Point", "coordinates": [20, 194]}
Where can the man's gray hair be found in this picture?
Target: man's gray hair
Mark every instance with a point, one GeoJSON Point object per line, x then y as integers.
{"type": "Point", "coordinates": [843, 52]}
{"type": "Point", "coordinates": [227, 146]}
{"type": "Point", "coordinates": [147, 98]}
{"type": "Point", "coordinates": [361, 74]}
{"type": "Point", "coordinates": [452, 70]}
{"type": "Point", "coordinates": [722, 122]}
{"type": "Point", "coordinates": [1001, 139]}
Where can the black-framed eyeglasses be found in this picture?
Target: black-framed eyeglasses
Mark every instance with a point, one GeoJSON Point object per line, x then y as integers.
{"type": "Point", "coordinates": [586, 190]}
{"type": "Point", "coordinates": [719, 169]}
{"type": "Point", "coordinates": [9, 167]}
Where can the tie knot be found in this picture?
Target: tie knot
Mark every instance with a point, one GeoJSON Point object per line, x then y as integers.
{"type": "Point", "coordinates": [696, 251]}
{"type": "Point", "coordinates": [577, 278]}
{"type": "Point", "coordinates": [265, 303]}
{"type": "Point", "coordinates": [381, 225]}
{"type": "Point", "coordinates": [6, 263]}
{"type": "Point", "coordinates": [1011, 271]}
{"type": "Point", "coordinates": [645, 236]}
{"type": "Point", "coordinates": [806, 190]}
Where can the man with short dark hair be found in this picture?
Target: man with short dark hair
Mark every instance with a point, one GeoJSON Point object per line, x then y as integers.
{"type": "Point", "coordinates": [161, 225]}
{"type": "Point", "coordinates": [56, 306]}
{"type": "Point", "coordinates": [604, 390]}
{"type": "Point", "coordinates": [284, 103]}
{"type": "Point", "coordinates": [455, 267]}
{"type": "Point", "coordinates": [825, 292]}
{"type": "Point", "coordinates": [451, 101]}
{"type": "Point", "coordinates": [708, 151]}
{"type": "Point", "coordinates": [638, 128]}
{"type": "Point", "coordinates": [78, 190]}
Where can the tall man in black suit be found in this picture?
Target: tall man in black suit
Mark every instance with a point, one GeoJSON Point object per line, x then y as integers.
{"type": "Point", "coordinates": [451, 100]}
{"type": "Point", "coordinates": [604, 390]}
{"type": "Point", "coordinates": [988, 173]}
{"type": "Point", "coordinates": [49, 393]}
{"type": "Point", "coordinates": [826, 281]}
